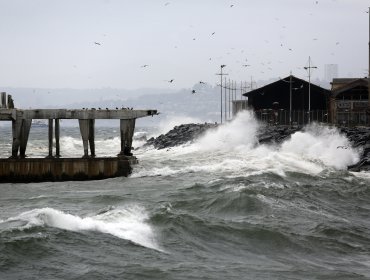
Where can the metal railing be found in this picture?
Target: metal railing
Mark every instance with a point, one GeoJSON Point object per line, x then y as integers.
{"type": "Point", "coordinates": [284, 117]}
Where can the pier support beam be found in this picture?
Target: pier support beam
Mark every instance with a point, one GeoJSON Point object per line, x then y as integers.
{"type": "Point", "coordinates": [57, 138]}
{"type": "Point", "coordinates": [84, 129]}
{"type": "Point", "coordinates": [20, 131]}
{"type": "Point", "coordinates": [127, 128]}
{"type": "Point", "coordinates": [92, 137]}
{"type": "Point", "coordinates": [25, 132]}
{"type": "Point", "coordinates": [50, 138]}
{"type": "Point", "coordinates": [16, 133]}
{"type": "Point", "coordinates": [88, 136]}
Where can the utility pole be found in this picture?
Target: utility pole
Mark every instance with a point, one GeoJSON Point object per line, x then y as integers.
{"type": "Point", "coordinates": [368, 77]}
{"type": "Point", "coordinates": [222, 74]}
{"type": "Point", "coordinates": [309, 86]}
{"type": "Point", "coordinates": [290, 99]}
{"type": "Point", "coordinates": [225, 101]}
{"type": "Point", "coordinates": [229, 97]}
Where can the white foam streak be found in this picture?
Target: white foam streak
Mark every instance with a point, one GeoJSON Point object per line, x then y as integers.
{"type": "Point", "coordinates": [126, 223]}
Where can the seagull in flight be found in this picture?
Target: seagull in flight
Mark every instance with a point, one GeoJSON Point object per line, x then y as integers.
{"type": "Point", "coordinates": [97, 43]}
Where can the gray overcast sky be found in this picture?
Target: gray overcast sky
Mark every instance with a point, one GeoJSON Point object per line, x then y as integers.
{"type": "Point", "coordinates": [51, 43]}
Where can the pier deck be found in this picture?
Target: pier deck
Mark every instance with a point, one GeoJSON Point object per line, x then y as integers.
{"type": "Point", "coordinates": [19, 168]}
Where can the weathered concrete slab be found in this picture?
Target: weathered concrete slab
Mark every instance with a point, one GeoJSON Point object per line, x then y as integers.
{"type": "Point", "coordinates": [58, 169]}
{"type": "Point", "coordinates": [122, 114]}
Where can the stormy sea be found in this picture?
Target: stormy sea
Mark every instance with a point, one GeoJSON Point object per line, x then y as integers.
{"type": "Point", "coordinates": [221, 207]}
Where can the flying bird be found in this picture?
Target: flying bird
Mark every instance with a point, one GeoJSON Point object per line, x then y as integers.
{"type": "Point", "coordinates": [201, 82]}
{"type": "Point", "coordinates": [193, 91]}
{"type": "Point", "coordinates": [97, 43]}
{"type": "Point", "coordinates": [231, 6]}
{"type": "Point", "coordinates": [167, 4]}
{"type": "Point", "coordinates": [145, 65]}
{"type": "Point", "coordinates": [246, 65]}
{"type": "Point", "coordinates": [170, 81]}
{"type": "Point", "coordinates": [213, 33]}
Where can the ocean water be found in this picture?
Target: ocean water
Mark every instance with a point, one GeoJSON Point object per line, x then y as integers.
{"type": "Point", "coordinates": [223, 207]}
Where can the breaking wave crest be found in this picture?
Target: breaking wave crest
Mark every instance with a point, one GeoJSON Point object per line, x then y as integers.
{"type": "Point", "coordinates": [126, 223]}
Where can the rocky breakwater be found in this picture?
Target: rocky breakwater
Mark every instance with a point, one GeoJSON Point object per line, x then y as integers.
{"type": "Point", "coordinates": [187, 133]}
{"type": "Point", "coordinates": [180, 135]}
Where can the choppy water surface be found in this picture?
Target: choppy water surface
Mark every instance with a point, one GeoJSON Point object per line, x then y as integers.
{"type": "Point", "coordinates": [221, 208]}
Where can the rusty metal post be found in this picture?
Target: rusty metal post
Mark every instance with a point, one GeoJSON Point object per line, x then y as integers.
{"type": "Point", "coordinates": [127, 128]}
{"type": "Point", "coordinates": [50, 138]}
{"type": "Point", "coordinates": [92, 137]}
{"type": "Point", "coordinates": [25, 132]}
{"type": "Point", "coordinates": [57, 138]}
{"type": "Point", "coordinates": [84, 128]}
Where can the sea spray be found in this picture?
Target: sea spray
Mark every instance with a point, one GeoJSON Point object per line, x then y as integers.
{"type": "Point", "coordinates": [324, 144]}
{"type": "Point", "coordinates": [232, 150]}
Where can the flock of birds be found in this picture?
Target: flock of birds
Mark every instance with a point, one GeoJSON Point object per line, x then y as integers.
{"type": "Point", "coordinates": [107, 109]}
{"type": "Point", "coordinates": [266, 64]}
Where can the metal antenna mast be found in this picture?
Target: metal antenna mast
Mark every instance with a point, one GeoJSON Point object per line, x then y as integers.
{"type": "Point", "coordinates": [309, 86]}
{"type": "Point", "coordinates": [222, 74]}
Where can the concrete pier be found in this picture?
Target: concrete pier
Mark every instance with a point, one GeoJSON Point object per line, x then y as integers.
{"type": "Point", "coordinates": [63, 169]}
{"type": "Point", "coordinates": [53, 167]}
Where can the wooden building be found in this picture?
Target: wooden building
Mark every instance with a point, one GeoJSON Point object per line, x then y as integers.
{"type": "Point", "coordinates": [290, 101]}
{"type": "Point", "coordinates": [349, 101]}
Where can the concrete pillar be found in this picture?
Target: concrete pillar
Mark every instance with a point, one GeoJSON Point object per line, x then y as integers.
{"type": "Point", "coordinates": [16, 133]}
{"type": "Point", "coordinates": [127, 128]}
{"type": "Point", "coordinates": [50, 138]}
{"type": "Point", "coordinates": [3, 100]}
{"type": "Point", "coordinates": [25, 132]}
{"type": "Point", "coordinates": [57, 138]}
{"type": "Point", "coordinates": [92, 137]}
{"type": "Point", "coordinates": [85, 128]}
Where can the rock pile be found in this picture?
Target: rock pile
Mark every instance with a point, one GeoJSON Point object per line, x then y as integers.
{"type": "Point", "coordinates": [179, 135]}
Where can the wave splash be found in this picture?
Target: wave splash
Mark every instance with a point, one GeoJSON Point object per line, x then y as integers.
{"type": "Point", "coordinates": [233, 150]}
{"type": "Point", "coordinates": [126, 223]}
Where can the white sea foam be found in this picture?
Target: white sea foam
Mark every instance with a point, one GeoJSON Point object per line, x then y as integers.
{"type": "Point", "coordinates": [324, 144]}
{"type": "Point", "coordinates": [232, 150]}
{"type": "Point", "coordinates": [128, 223]}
